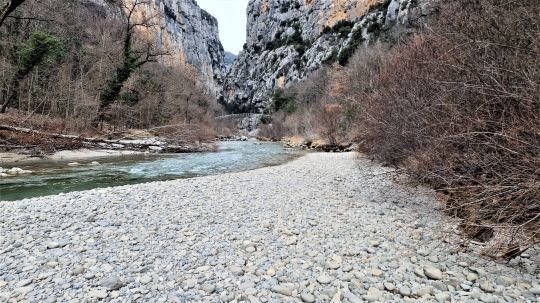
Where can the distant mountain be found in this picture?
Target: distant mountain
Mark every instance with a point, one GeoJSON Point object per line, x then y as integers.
{"type": "Point", "coordinates": [229, 60]}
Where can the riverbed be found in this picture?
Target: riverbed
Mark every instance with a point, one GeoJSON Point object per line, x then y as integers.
{"type": "Point", "coordinates": [66, 175]}
{"type": "Point", "coordinates": [327, 227]}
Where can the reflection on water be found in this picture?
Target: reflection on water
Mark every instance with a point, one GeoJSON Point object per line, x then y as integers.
{"type": "Point", "coordinates": [53, 177]}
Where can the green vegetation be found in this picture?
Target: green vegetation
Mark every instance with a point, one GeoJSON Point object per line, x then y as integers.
{"type": "Point", "coordinates": [169, 12]}
{"type": "Point", "coordinates": [343, 28]}
{"type": "Point", "coordinates": [131, 61]}
{"type": "Point", "coordinates": [381, 6]}
{"type": "Point", "coordinates": [40, 49]}
{"type": "Point", "coordinates": [66, 65]}
{"type": "Point", "coordinates": [346, 53]}
{"type": "Point", "coordinates": [283, 102]}
{"type": "Point", "coordinates": [286, 6]}
{"type": "Point", "coordinates": [296, 40]}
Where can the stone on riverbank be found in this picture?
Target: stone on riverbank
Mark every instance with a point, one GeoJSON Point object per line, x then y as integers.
{"type": "Point", "coordinates": [224, 239]}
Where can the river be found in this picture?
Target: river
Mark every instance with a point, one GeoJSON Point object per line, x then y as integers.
{"type": "Point", "coordinates": [55, 177]}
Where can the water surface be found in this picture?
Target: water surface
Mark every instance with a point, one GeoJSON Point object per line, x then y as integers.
{"type": "Point", "coordinates": [53, 177]}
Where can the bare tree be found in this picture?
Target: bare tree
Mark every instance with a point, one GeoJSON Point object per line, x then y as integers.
{"type": "Point", "coordinates": [132, 59]}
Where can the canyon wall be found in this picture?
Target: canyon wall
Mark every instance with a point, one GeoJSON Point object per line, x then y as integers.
{"type": "Point", "coordinates": [289, 39]}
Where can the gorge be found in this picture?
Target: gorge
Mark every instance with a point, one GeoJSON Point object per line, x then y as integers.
{"type": "Point", "coordinates": [428, 189]}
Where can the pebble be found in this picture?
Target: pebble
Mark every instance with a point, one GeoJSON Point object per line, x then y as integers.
{"type": "Point", "coordinates": [307, 297]}
{"type": "Point", "coordinates": [405, 291]}
{"type": "Point", "coordinates": [347, 268]}
{"type": "Point", "coordinates": [472, 277]}
{"type": "Point", "coordinates": [280, 289]}
{"type": "Point", "coordinates": [271, 272]}
{"type": "Point", "coordinates": [98, 293]}
{"type": "Point", "coordinates": [78, 270]}
{"type": "Point", "coordinates": [433, 273]}
{"type": "Point", "coordinates": [324, 279]}
{"type": "Point", "coordinates": [504, 281]}
{"type": "Point", "coordinates": [442, 297]}
{"type": "Point", "coordinates": [209, 288]}
{"type": "Point", "coordinates": [112, 282]}
{"type": "Point", "coordinates": [389, 286]}
{"type": "Point", "coordinates": [145, 279]}
{"type": "Point", "coordinates": [372, 295]}
{"type": "Point", "coordinates": [377, 272]}
{"type": "Point", "coordinates": [488, 298]}
{"type": "Point", "coordinates": [24, 283]}
{"type": "Point", "coordinates": [236, 270]}
{"type": "Point", "coordinates": [53, 245]}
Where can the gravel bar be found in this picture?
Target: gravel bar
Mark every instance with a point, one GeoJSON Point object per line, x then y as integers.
{"type": "Point", "coordinates": [323, 228]}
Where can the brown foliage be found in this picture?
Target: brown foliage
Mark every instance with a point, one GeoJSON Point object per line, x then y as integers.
{"type": "Point", "coordinates": [459, 105]}
{"type": "Point", "coordinates": [317, 113]}
{"type": "Point", "coordinates": [37, 144]}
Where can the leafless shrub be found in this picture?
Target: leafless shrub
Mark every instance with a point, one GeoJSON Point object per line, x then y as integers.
{"type": "Point", "coordinates": [226, 128]}
{"type": "Point", "coordinates": [329, 119]}
{"type": "Point", "coordinates": [459, 105]}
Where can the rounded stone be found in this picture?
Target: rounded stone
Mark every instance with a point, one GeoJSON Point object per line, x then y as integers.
{"type": "Point", "coordinates": [307, 297]}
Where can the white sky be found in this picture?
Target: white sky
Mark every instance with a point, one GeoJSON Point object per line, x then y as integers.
{"type": "Point", "coordinates": [231, 15]}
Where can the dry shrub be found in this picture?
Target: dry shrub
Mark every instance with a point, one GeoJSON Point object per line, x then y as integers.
{"type": "Point", "coordinates": [185, 133]}
{"type": "Point", "coordinates": [314, 111]}
{"type": "Point", "coordinates": [226, 128]}
{"type": "Point", "coordinates": [279, 128]}
{"type": "Point", "coordinates": [330, 118]}
{"type": "Point", "coordinates": [45, 123]}
{"type": "Point", "coordinates": [459, 105]}
{"type": "Point", "coordinates": [36, 144]}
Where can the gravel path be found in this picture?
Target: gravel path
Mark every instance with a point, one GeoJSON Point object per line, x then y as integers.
{"type": "Point", "coordinates": [323, 228]}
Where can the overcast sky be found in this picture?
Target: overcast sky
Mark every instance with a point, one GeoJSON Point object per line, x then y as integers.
{"type": "Point", "coordinates": [231, 15]}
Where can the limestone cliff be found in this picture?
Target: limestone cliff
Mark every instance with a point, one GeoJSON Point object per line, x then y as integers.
{"type": "Point", "coordinates": [187, 31]}
{"type": "Point", "coordinates": [289, 39]}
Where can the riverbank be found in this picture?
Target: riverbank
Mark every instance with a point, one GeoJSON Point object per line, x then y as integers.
{"type": "Point", "coordinates": [65, 155]}
{"type": "Point", "coordinates": [320, 145]}
{"type": "Point", "coordinates": [18, 144]}
{"type": "Point", "coordinates": [336, 228]}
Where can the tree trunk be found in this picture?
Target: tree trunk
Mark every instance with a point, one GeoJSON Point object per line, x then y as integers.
{"type": "Point", "coordinates": [8, 8]}
{"type": "Point", "coordinates": [13, 95]}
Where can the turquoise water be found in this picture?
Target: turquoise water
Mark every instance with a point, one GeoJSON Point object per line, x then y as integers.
{"type": "Point", "coordinates": [54, 177]}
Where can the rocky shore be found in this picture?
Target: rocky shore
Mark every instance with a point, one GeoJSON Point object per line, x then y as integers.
{"type": "Point", "coordinates": [328, 227]}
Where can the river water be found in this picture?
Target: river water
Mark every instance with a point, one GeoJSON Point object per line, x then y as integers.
{"type": "Point", "coordinates": [54, 177]}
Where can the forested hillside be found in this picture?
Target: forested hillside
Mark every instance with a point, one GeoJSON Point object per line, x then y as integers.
{"type": "Point", "coordinates": [86, 66]}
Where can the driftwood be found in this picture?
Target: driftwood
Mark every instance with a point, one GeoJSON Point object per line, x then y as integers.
{"type": "Point", "coordinates": [141, 145]}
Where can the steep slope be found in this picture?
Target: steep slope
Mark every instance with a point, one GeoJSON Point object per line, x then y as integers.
{"type": "Point", "coordinates": [289, 39]}
{"type": "Point", "coordinates": [188, 32]}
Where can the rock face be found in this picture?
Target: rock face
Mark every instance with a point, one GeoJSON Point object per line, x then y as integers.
{"type": "Point", "coordinates": [188, 32]}
{"type": "Point", "coordinates": [289, 39]}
